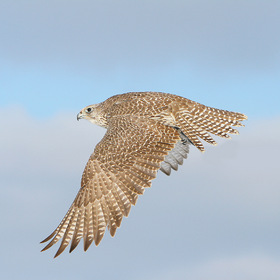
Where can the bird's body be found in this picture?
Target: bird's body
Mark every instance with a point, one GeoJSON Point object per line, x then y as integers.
{"type": "Point", "coordinates": [146, 131]}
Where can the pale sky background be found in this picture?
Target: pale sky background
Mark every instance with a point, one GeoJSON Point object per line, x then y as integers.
{"type": "Point", "coordinates": [216, 218]}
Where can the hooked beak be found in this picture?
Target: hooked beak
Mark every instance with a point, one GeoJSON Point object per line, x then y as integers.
{"type": "Point", "coordinates": [80, 116]}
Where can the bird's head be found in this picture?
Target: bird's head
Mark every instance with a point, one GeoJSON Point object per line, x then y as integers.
{"type": "Point", "coordinates": [93, 114]}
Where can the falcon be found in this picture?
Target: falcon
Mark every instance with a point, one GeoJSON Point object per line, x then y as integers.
{"type": "Point", "coordinates": [146, 132]}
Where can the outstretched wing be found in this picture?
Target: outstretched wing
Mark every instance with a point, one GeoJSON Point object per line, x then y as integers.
{"type": "Point", "coordinates": [120, 168]}
{"type": "Point", "coordinates": [197, 121]}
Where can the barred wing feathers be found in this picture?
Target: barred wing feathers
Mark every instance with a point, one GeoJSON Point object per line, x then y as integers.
{"type": "Point", "coordinates": [121, 167]}
{"type": "Point", "coordinates": [197, 121]}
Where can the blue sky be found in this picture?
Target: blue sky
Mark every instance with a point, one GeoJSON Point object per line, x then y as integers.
{"type": "Point", "coordinates": [217, 217]}
{"type": "Point", "coordinates": [57, 55]}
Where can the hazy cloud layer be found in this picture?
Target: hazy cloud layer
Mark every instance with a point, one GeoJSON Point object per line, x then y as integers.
{"type": "Point", "coordinates": [217, 216]}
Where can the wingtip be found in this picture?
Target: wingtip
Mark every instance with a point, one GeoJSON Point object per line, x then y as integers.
{"type": "Point", "coordinates": [57, 254]}
{"type": "Point", "coordinates": [242, 117]}
{"type": "Point", "coordinates": [113, 231]}
{"type": "Point", "coordinates": [87, 243]}
{"type": "Point", "coordinates": [60, 250]}
{"type": "Point", "coordinates": [98, 239]}
{"type": "Point", "coordinates": [48, 238]}
{"type": "Point", "coordinates": [45, 240]}
{"type": "Point", "coordinates": [73, 246]}
{"type": "Point", "coordinates": [46, 247]}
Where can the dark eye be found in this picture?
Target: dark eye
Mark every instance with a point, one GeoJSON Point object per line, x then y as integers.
{"type": "Point", "coordinates": [88, 110]}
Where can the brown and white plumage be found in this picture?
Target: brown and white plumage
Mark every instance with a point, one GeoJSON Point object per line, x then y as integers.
{"type": "Point", "coordinates": [146, 132]}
